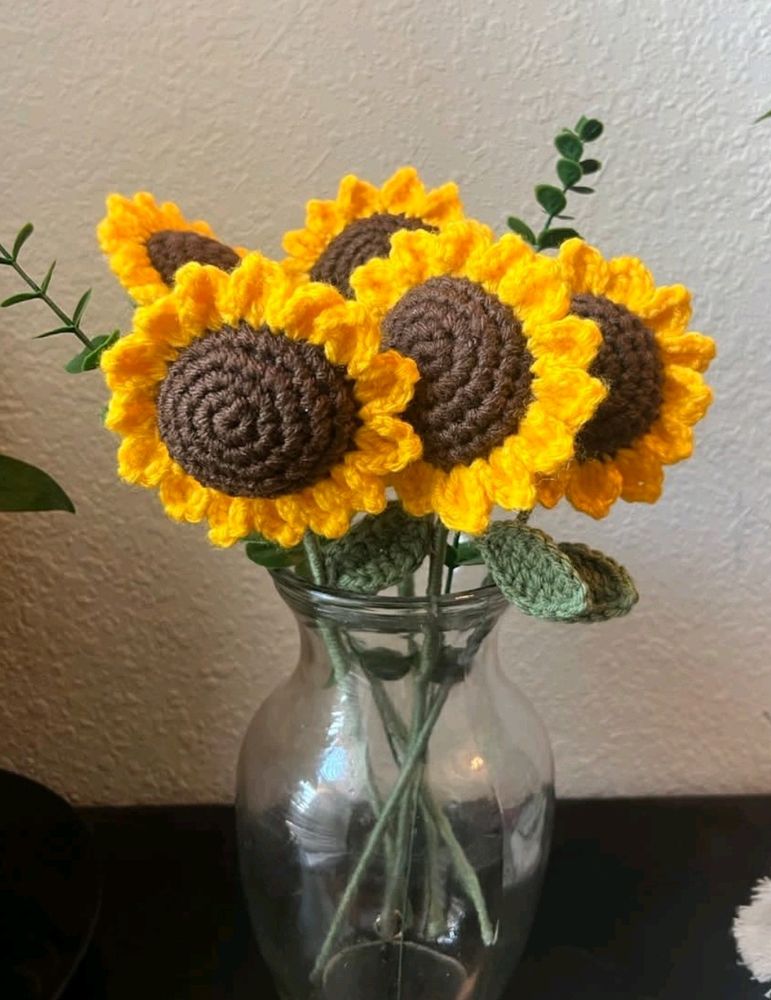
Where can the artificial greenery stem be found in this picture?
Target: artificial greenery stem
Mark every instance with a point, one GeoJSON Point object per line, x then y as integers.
{"type": "Point", "coordinates": [40, 293]}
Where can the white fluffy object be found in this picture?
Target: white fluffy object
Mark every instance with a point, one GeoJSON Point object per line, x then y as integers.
{"type": "Point", "coordinates": [752, 930]}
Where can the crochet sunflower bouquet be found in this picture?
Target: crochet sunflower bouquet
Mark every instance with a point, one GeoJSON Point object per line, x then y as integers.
{"type": "Point", "coordinates": [355, 414]}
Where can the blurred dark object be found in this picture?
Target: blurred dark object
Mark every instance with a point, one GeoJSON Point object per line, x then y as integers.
{"type": "Point", "coordinates": [637, 905]}
{"type": "Point", "coordinates": [49, 890]}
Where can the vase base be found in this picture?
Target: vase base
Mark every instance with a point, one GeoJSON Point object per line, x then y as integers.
{"type": "Point", "coordinates": [405, 971]}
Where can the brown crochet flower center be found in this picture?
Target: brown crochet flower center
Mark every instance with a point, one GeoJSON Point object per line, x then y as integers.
{"type": "Point", "coordinates": [360, 241]}
{"type": "Point", "coordinates": [628, 362]}
{"type": "Point", "coordinates": [475, 379]}
{"type": "Point", "coordinates": [169, 249]}
{"type": "Point", "coordinates": [254, 414]}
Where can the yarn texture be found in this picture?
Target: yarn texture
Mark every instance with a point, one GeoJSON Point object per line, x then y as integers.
{"type": "Point", "coordinates": [138, 237]}
{"type": "Point", "coordinates": [334, 240]}
{"type": "Point", "coordinates": [652, 365]}
{"type": "Point", "coordinates": [255, 414]}
{"type": "Point", "coordinates": [210, 337]}
{"type": "Point", "coordinates": [505, 382]}
{"type": "Point", "coordinates": [360, 241]}
{"type": "Point", "coordinates": [378, 552]}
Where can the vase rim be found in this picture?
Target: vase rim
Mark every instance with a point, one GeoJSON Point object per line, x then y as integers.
{"type": "Point", "coordinates": [305, 595]}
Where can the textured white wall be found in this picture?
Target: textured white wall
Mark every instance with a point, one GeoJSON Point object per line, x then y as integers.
{"type": "Point", "coordinates": [131, 653]}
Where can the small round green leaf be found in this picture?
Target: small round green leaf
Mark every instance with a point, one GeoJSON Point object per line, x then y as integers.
{"type": "Point", "coordinates": [89, 357]}
{"type": "Point", "coordinates": [521, 229]}
{"type": "Point", "coordinates": [550, 198]}
{"type": "Point", "coordinates": [569, 172]}
{"type": "Point", "coordinates": [590, 166]}
{"type": "Point", "coordinates": [569, 145]}
{"type": "Point", "coordinates": [533, 573]}
{"type": "Point", "coordinates": [612, 592]}
{"type": "Point", "coordinates": [591, 129]}
{"type": "Point", "coordinates": [550, 239]}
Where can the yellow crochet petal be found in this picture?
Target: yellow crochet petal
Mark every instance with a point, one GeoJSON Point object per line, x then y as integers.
{"type": "Point", "coordinates": [546, 440]}
{"type": "Point", "coordinates": [551, 489]}
{"type": "Point", "coordinates": [415, 487]}
{"type": "Point", "coordinates": [571, 394]}
{"type": "Point", "coordinates": [461, 500]}
{"type": "Point", "coordinates": [671, 440]}
{"type": "Point", "coordinates": [442, 205]}
{"type": "Point", "coordinates": [573, 340]}
{"type": "Point", "coordinates": [143, 460]}
{"type": "Point", "coordinates": [387, 384]}
{"type": "Point", "coordinates": [349, 334]}
{"type": "Point", "coordinates": [535, 291]}
{"type": "Point", "coordinates": [584, 268]}
{"type": "Point", "coordinates": [200, 286]}
{"type": "Point", "coordinates": [356, 198]}
{"type": "Point", "coordinates": [403, 192]}
{"type": "Point", "coordinates": [245, 296]}
{"type": "Point", "coordinates": [668, 309]}
{"type": "Point", "coordinates": [630, 283]}
{"type": "Point", "coordinates": [182, 497]}
{"type": "Point", "coordinates": [642, 474]}
{"type": "Point", "coordinates": [686, 395]}
{"type": "Point", "coordinates": [512, 483]}
{"type": "Point", "coordinates": [691, 350]}
{"type": "Point", "coordinates": [594, 487]}
{"type": "Point", "coordinates": [386, 444]}
{"type": "Point", "coordinates": [490, 263]}
{"type": "Point", "coordinates": [299, 314]}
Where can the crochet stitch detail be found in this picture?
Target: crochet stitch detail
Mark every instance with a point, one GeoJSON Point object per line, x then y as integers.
{"type": "Point", "coordinates": [254, 414]}
{"type": "Point", "coordinates": [475, 382]}
{"type": "Point", "coordinates": [628, 362]}
{"type": "Point", "coordinates": [360, 241]}
{"type": "Point", "coordinates": [170, 249]}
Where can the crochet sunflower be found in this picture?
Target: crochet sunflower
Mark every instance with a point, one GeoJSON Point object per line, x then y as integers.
{"type": "Point", "coordinates": [258, 405]}
{"type": "Point", "coordinates": [504, 367]}
{"type": "Point", "coordinates": [146, 243]}
{"type": "Point", "coordinates": [652, 365]}
{"type": "Point", "coordinates": [341, 234]}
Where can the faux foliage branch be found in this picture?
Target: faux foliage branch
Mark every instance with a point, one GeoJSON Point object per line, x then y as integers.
{"type": "Point", "coordinates": [571, 168]}
{"type": "Point", "coordinates": [88, 358]}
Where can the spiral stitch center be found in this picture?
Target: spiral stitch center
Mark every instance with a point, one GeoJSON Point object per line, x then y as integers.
{"type": "Point", "coordinates": [475, 379]}
{"type": "Point", "coordinates": [254, 414]}
{"type": "Point", "coordinates": [628, 362]}
{"type": "Point", "coordinates": [360, 241]}
{"type": "Point", "coordinates": [169, 249]}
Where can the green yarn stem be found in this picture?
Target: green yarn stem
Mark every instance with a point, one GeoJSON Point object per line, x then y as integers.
{"type": "Point", "coordinates": [412, 760]}
{"type": "Point", "coordinates": [331, 636]}
{"type": "Point", "coordinates": [433, 812]}
{"type": "Point", "coordinates": [398, 876]}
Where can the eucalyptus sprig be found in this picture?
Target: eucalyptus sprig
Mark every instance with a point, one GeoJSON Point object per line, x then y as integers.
{"type": "Point", "coordinates": [572, 167]}
{"type": "Point", "coordinates": [93, 348]}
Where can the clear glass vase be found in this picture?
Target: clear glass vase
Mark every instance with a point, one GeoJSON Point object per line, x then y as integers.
{"type": "Point", "coordinates": [394, 804]}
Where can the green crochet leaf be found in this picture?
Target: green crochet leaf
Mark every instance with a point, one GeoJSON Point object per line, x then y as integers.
{"type": "Point", "coordinates": [378, 552]}
{"type": "Point", "coordinates": [533, 572]}
{"type": "Point", "coordinates": [612, 592]}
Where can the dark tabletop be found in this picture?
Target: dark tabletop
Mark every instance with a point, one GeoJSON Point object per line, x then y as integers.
{"type": "Point", "coordinates": [638, 903]}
